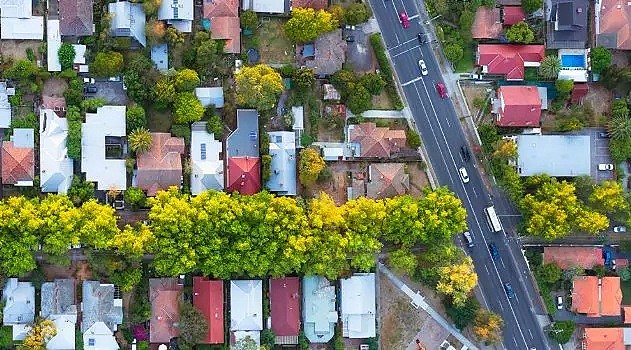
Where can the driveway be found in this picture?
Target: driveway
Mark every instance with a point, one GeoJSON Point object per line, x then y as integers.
{"type": "Point", "coordinates": [599, 155]}
{"type": "Point", "coordinates": [359, 53]}
{"type": "Point", "coordinates": [111, 91]}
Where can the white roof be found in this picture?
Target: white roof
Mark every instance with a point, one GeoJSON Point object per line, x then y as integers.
{"type": "Point", "coordinates": [65, 337]}
{"type": "Point", "coordinates": [333, 153]}
{"type": "Point", "coordinates": [19, 302]}
{"type": "Point", "coordinates": [129, 20]}
{"type": "Point", "coordinates": [56, 169]}
{"type": "Point", "coordinates": [53, 39]}
{"type": "Point", "coordinates": [358, 305]}
{"type": "Point", "coordinates": [79, 57]}
{"type": "Point", "coordinates": [267, 6]}
{"type": "Point", "coordinates": [299, 117]}
{"type": "Point", "coordinates": [210, 95]}
{"type": "Point", "coordinates": [99, 337]}
{"type": "Point", "coordinates": [576, 75]}
{"type": "Point", "coordinates": [179, 13]}
{"type": "Point", "coordinates": [555, 155]}
{"type": "Point", "coordinates": [207, 172]}
{"type": "Point", "coordinates": [5, 106]}
{"type": "Point", "coordinates": [107, 173]}
{"type": "Point", "coordinates": [318, 302]}
{"type": "Point", "coordinates": [31, 28]}
{"type": "Point", "coordinates": [246, 305]}
{"type": "Point", "coordinates": [282, 148]}
{"type": "Point", "coordinates": [16, 8]}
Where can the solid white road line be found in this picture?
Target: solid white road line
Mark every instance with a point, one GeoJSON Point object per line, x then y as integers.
{"type": "Point", "coordinates": [411, 81]}
{"type": "Point", "coordinates": [406, 51]}
{"type": "Point", "coordinates": [403, 43]}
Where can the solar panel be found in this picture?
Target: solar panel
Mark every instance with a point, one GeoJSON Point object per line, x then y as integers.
{"type": "Point", "coordinates": [253, 135]}
{"type": "Point", "coordinates": [203, 151]}
{"type": "Point", "coordinates": [91, 342]}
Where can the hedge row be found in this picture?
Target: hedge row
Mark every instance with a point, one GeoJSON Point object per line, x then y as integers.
{"type": "Point", "coordinates": [386, 70]}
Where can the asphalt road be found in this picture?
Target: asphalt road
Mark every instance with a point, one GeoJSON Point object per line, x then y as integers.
{"type": "Point", "coordinates": [443, 136]}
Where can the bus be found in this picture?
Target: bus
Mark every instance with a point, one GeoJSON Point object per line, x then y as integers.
{"type": "Point", "coordinates": [491, 217]}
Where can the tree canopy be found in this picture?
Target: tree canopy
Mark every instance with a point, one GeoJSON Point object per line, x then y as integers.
{"type": "Point", "coordinates": [307, 24]}
{"type": "Point", "coordinates": [107, 64]}
{"type": "Point", "coordinates": [600, 58]}
{"type": "Point", "coordinates": [187, 108]}
{"type": "Point", "coordinates": [66, 55]}
{"type": "Point", "coordinates": [531, 6]}
{"type": "Point", "coordinates": [310, 166]}
{"type": "Point", "coordinates": [520, 33]}
{"type": "Point", "coordinates": [550, 67]}
{"type": "Point", "coordinates": [258, 87]}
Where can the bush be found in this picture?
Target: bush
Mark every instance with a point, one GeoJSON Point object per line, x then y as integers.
{"type": "Point", "coordinates": [184, 131]}
{"type": "Point", "coordinates": [356, 13]}
{"type": "Point", "coordinates": [266, 167]}
{"type": "Point", "coordinates": [214, 125]}
{"type": "Point", "coordinates": [268, 338]}
{"type": "Point", "coordinates": [386, 70]}
{"type": "Point", "coordinates": [73, 142]}
{"type": "Point", "coordinates": [135, 197]}
{"type": "Point", "coordinates": [464, 315]}
{"type": "Point", "coordinates": [66, 55]}
{"type": "Point", "coordinates": [414, 139]}
{"type": "Point", "coordinates": [136, 118]}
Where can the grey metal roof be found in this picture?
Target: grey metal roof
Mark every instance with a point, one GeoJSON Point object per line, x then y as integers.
{"type": "Point", "coordinates": [244, 141]}
{"type": "Point", "coordinates": [58, 298]}
{"type": "Point", "coordinates": [19, 299]}
{"type": "Point", "coordinates": [555, 155]}
{"type": "Point", "coordinates": [160, 56]}
{"type": "Point", "coordinates": [99, 305]}
{"type": "Point", "coordinates": [129, 20]}
{"type": "Point", "coordinates": [282, 148]}
{"type": "Point", "coordinates": [570, 18]}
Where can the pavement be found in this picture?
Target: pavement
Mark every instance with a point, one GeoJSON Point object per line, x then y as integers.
{"type": "Point", "coordinates": [442, 134]}
{"type": "Point", "coordinates": [111, 91]}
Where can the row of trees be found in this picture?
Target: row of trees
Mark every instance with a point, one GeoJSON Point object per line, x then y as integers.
{"type": "Point", "coordinates": [356, 91]}
{"type": "Point", "coordinates": [307, 24]}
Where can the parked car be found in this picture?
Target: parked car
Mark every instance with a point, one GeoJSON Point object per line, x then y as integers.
{"type": "Point", "coordinates": [87, 80]}
{"type": "Point", "coordinates": [422, 39]}
{"type": "Point", "coordinates": [605, 167]}
{"type": "Point", "coordinates": [463, 174]}
{"type": "Point", "coordinates": [603, 135]}
{"type": "Point", "coordinates": [468, 238]}
{"type": "Point", "coordinates": [607, 257]}
{"type": "Point", "coordinates": [510, 293]}
{"type": "Point", "coordinates": [560, 302]}
{"type": "Point", "coordinates": [90, 89]}
{"type": "Point", "coordinates": [421, 63]}
{"type": "Point", "coordinates": [619, 229]}
{"type": "Point", "coordinates": [464, 151]}
{"type": "Point", "coordinates": [405, 21]}
{"type": "Point", "coordinates": [442, 90]}
{"type": "Point", "coordinates": [117, 78]}
{"type": "Point", "coordinates": [495, 254]}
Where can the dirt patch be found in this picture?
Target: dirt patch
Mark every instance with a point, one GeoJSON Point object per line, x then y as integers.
{"type": "Point", "coordinates": [159, 121]}
{"type": "Point", "coordinates": [54, 87]}
{"type": "Point", "coordinates": [382, 102]}
{"type": "Point", "coordinates": [400, 321]}
{"type": "Point", "coordinates": [274, 46]}
{"type": "Point", "coordinates": [418, 178]}
{"type": "Point", "coordinates": [17, 48]}
{"type": "Point", "coordinates": [339, 182]}
{"type": "Point", "coordinates": [600, 100]}
{"type": "Point", "coordinates": [473, 92]}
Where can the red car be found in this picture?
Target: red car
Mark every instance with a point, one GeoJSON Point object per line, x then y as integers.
{"type": "Point", "coordinates": [405, 21]}
{"type": "Point", "coordinates": [442, 90]}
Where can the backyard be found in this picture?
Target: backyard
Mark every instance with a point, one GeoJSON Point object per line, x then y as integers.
{"type": "Point", "coordinates": [273, 45]}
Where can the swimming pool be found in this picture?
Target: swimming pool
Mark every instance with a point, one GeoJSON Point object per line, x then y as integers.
{"type": "Point", "coordinates": [572, 61]}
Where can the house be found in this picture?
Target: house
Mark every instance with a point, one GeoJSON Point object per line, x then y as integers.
{"type": "Point", "coordinates": [206, 160]}
{"type": "Point", "coordinates": [246, 309]}
{"type": "Point", "coordinates": [266, 6]}
{"type": "Point", "coordinates": [520, 106]}
{"type": "Point", "coordinates": [555, 155]}
{"type": "Point", "coordinates": [19, 306]}
{"type": "Point", "coordinates": [319, 315]}
{"type": "Point", "coordinates": [128, 20]}
{"type": "Point", "coordinates": [384, 180]}
{"type": "Point", "coordinates": [58, 305]}
{"type": "Point", "coordinates": [224, 23]}
{"type": "Point", "coordinates": [369, 141]}
{"type": "Point", "coordinates": [55, 168]}
{"type": "Point", "coordinates": [282, 149]}
{"type": "Point", "coordinates": [596, 296]}
{"type": "Point", "coordinates": [208, 299]}
{"type": "Point", "coordinates": [242, 147]}
{"type": "Point", "coordinates": [103, 147]}
{"type": "Point", "coordinates": [566, 24]}
{"type": "Point", "coordinates": [330, 53]}
{"type": "Point", "coordinates": [164, 296]}
{"type": "Point", "coordinates": [579, 92]}
{"type": "Point", "coordinates": [285, 309]}
{"type": "Point", "coordinates": [508, 60]}
{"type": "Point", "coordinates": [160, 56]}
{"type": "Point", "coordinates": [613, 24]}
{"type": "Point", "coordinates": [486, 24]}
{"type": "Point", "coordinates": [298, 114]}
{"type": "Point", "coordinates": [53, 43]}
{"type": "Point", "coordinates": [210, 96]}
{"type": "Point", "coordinates": [606, 338]}
{"type": "Point", "coordinates": [18, 158]}
{"type": "Point", "coordinates": [18, 23]}
{"type": "Point", "coordinates": [102, 313]}
{"type": "Point", "coordinates": [5, 106]}
{"type": "Point", "coordinates": [314, 4]}
{"type": "Point", "coordinates": [570, 257]}
{"type": "Point", "coordinates": [178, 13]}
{"type": "Point", "coordinates": [75, 17]}
{"type": "Point", "coordinates": [512, 15]}
{"type": "Point", "coordinates": [161, 166]}
{"type": "Point", "coordinates": [358, 306]}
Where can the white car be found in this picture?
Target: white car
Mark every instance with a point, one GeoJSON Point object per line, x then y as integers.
{"type": "Point", "coordinates": [560, 302]}
{"type": "Point", "coordinates": [619, 229]}
{"type": "Point", "coordinates": [421, 64]}
{"type": "Point", "coordinates": [605, 166]}
{"type": "Point", "coordinates": [87, 80]}
{"type": "Point", "coordinates": [463, 175]}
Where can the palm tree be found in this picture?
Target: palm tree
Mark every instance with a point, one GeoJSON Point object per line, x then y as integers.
{"type": "Point", "coordinates": [620, 128]}
{"type": "Point", "coordinates": [550, 67]}
{"type": "Point", "coordinates": [140, 140]}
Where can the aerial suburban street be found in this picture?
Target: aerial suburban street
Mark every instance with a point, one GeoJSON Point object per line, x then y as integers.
{"type": "Point", "coordinates": [443, 136]}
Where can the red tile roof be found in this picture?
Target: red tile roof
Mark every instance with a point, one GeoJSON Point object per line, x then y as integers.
{"type": "Point", "coordinates": [508, 59]}
{"type": "Point", "coordinates": [616, 20]}
{"type": "Point", "coordinates": [18, 164]}
{"type": "Point", "coordinates": [594, 300]}
{"type": "Point", "coordinates": [487, 24]}
{"type": "Point", "coordinates": [75, 17]}
{"type": "Point", "coordinates": [513, 14]}
{"type": "Point", "coordinates": [208, 298]}
{"type": "Point", "coordinates": [224, 23]}
{"type": "Point", "coordinates": [164, 295]}
{"type": "Point", "coordinates": [285, 306]}
{"type": "Point", "coordinates": [579, 92]}
{"type": "Point", "coordinates": [161, 166]}
{"type": "Point", "coordinates": [314, 4]}
{"type": "Point", "coordinates": [603, 339]}
{"type": "Point", "coordinates": [627, 314]}
{"type": "Point", "coordinates": [387, 180]}
{"type": "Point", "coordinates": [377, 141]}
{"type": "Point", "coordinates": [611, 296]}
{"type": "Point", "coordinates": [221, 8]}
{"type": "Point", "coordinates": [520, 106]}
{"type": "Point", "coordinates": [570, 257]}
{"type": "Point", "coordinates": [244, 175]}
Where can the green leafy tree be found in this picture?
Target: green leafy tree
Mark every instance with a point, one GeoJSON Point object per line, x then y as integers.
{"type": "Point", "coordinates": [600, 58]}
{"type": "Point", "coordinates": [356, 13]}
{"type": "Point", "coordinates": [193, 324]}
{"type": "Point", "coordinates": [135, 117]}
{"type": "Point", "coordinates": [164, 92]}
{"type": "Point", "coordinates": [66, 55]}
{"type": "Point", "coordinates": [135, 197]}
{"type": "Point", "coordinates": [107, 64]}
{"type": "Point", "coordinates": [214, 125]}
{"type": "Point", "coordinates": [466, 22]}
{"type": "Point", "coordinates": [268, 339]}
{"type": "Point", "coordinates": [174, 37]}
{"type": "Point", "coordinates": [413, 138]}
{"type": "Point", "coordinates": [21, 70]}
{"type": "Point", "coordinates": [140, 76]}
{"type": "Point", "coordinates": [306, 24]}
{"type": "Point", "coordinates": [206, 54]}
{"type": "Point", "coordinates": [246, 343]}
{"type": "Point", "coordinates": [73, 143]}
{"type": "Point", "coordinates": [520, 33]}
{"type": "Point", "coordinates": [403, 261]}
{"type": "Point", "coordinates": [373, 82]}
{"type": "Point", "coordinates": [92, 104]}
{"type": "Point", "coordinates": [303, 79]}
{"type": "Point", "coordinates": [562, 331]}
{"type": "Point", "coordinates": [564, 88]}
{"type": "Point", "coordinates": [359, 100]}
{"type": "Point", "coordinates": [249, 20]}
{"type": "Point", "coordinates": [454, 52]}
{"type": "Point", "coordinates": [187, 108]}
{"type": "Point", "coordinates": [19, 225]}
{"type": "Point", "coordinates": [151, 7]}
{"type": "Point", "coordinates": [140, 140]}
{"type": "Point", "coordinates": [550, 66]}
{"type": "Point", "coordinates": [80, 191]}
{"type": "Point", "coordinates": [530, 6]}
{"type": "Point", "coordinates": [464, 315]}
{"type": "Point", "coordinates": [258, 87]}
{"type": "Point", "coordinates": [186, 80]}
{"type": "Point", "coordinates": [549, 273]}
{"type": "Point", "coordinates": [310, 165]}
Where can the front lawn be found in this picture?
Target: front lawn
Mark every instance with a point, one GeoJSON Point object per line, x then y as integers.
{"type": "Point", "coordinates": [465, 65]}
{"type": "Point", "coordinates": [273, 44]}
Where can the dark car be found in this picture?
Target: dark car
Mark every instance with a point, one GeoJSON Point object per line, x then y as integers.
{"type": "Point", "coordinates": [495, 254]}
{"type": "Point", "coordinates": [421, 38]}
{"type": "Point", "coordinates": [89, 89]}
{"type": "Point", "coordinates": [442, 90]}
{"type": "Point", "coordinates": [603, 135]}
{"type": "Point", "coordinates": [510, 293]}
{"type": "Point", "coordinates": [464, 151]}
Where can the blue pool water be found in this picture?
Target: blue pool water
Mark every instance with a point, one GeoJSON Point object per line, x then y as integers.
{"type": "Point", "coordinates": [573, 61]}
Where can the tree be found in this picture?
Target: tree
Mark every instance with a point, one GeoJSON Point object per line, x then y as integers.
{"type": "Point", "coordinates": [174, 37]}
{"type": "Point", "coordinates": [550, 65]}
{"type": "Point", "coordinates": [258, 87]}
{"type": "Point", "coordinates": [303, 79]}
{"type": "Point", "coordinates": [155, 31]}
{"type": "Point", "coordinates": [530, 6]}
{"type": "Point", "coordinates": [193, 324]}
{"type": "Point", "coordinates": [151, 7]}
{"type": "Point", "coordinates": [73, 143]}
{"type": "Point", "coordinates": [359, 100]}
{"type": "Point", "coordinates": [80, 191]}
{"type": "Point", "coordinates": [608, 198]}
{"type": "Point", "coordinates": [505, 150]}
{"type": "Point", "coordinates": [268, 339]}
{"type": "Point", "coordinates": [186, 80]}
{"type": "Point", "coordinates": [337, 11]}
{"type": "Point", "coordinates": [187, 108]}
{"type": "Point", "coordinates": [19, 224]}
{"type": "Point", "coordinates": [40, 333]}
{"type": "Point", "coordinates": [246, 343]}
{"type": "Point", "coordinates": [107, 64]}
{"type": "Point", "coordinates": [457, 281]}
{"type": "Point", "coordinates": [454, 52]}
{"type": "Point", "coordinates": [140, 140]}
{"type": "Point", "coordinates": [600, 58]}
{"type": "Point", "coordinates": [66, 55]}
{"type": "Point", "coordinates": [620, 109]}
{"type": "Point", "coordinates": [306, 24]}
{"type": "Point", "coordinates": [135, 197]}
{"type": "Point", "coordinates": [310, 166]}
{"type": "Point", "coordinates": [249, 20]}
{"type": "Point", "coordinates": [564, 88]}
{"type": "Point", "coordinates": [206, 53]}
{"type": "Point", "coordinates": [356, 13]}
{"type": "Point", "coordinates": [520, 33]}
{"type": "Point", "coordinates": [92, 104]}
{"type": "Point", "coordinates": [164, 92]}
{"type": "Point", "coordinates": [487, 327]}
{"type": "Point", "coordinates": [21, 70]}
{"type": "Point", "coordinates": [140, 76]}
{"type": "Point", "coordinates": [133, 242]}
{"type": "Point", "coordinates": [464, 315]}
{"type": "Point", "coordinates": [403, 261]}
{"type": "Point", "coordinates": [214, 125]}
{"type": "Point", "coordinates": [562, 331]}
{"type": "Point", "coordinates": [466, 22]}
{"type": "Point", "coordinates": [549, 273]}
{"type": "Point", "coordinates": [135, 117]}
{"type": "Point", "coordinates": [373, 82]}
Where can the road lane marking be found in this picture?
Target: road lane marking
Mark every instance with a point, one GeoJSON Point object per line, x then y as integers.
{"type": "Point", "coordinates": [414, 17]}
{"type": "Point", "coordinates": [406, 51]}
{"type": "Point", "coordinates": [403, 43]}
{"type": "Point", "coordinates": [531, 337]}
{"type": "Point", "coordinates": [411, 81]}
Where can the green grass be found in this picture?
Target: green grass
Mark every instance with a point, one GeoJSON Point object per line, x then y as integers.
{"type": "Point", "coordinates": [531, 74]}
{"type": "Point", "coordinates": [465, 65]}
{"type": "Point", "coordinates": [159, 121]}
{"type": "Point", "coordinates": [626, 292]}
{"type": "Point", "coordinates": [6, 337]}
{"type": "Point", "coordinates": [274, 45]}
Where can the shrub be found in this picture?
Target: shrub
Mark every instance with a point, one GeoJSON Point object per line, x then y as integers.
{"type": "Point", "coordinates": [140, 140]}
{"type": "Point", "coordinates": [66, 55]}
{"type": "Point", "coordinates": [184, 131]}
{"type": "Point", "coordinates": [135, 197]}
{"type": "Point", "coordinates": [414, 139]}
{"type": "Point", "coordinates": [386, 70]}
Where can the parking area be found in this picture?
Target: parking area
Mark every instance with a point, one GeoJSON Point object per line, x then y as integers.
{"type": "Point", "coordinates": [111, 91]}
{"type": "Point", "coordinates": [599, 154]}
{"type": "Point", "coordinates": [359, 53]}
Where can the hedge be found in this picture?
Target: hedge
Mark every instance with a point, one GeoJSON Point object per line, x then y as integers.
{"type": "Point", "coordinates": [386, 70]}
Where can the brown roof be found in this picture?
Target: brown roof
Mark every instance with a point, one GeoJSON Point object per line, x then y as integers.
{"type": "Point", "coordinates": [330, 53]}
{"type": "Point", "coordinates": [17, 163]}
{"type": "Point", "coordinates": [221, 8]}
{"type": "Point", "coordinates": [314, 4]}
{"type": "Point", "coordinates": [617, 21]}
{"type": "Point", "coordinates": [75, 17]}
{"type": "Point", "coordinates": [569, 257]}
{"type": "Point", "coordinates": [603, 339]}
{"type": "Point", "coordinates": [387, 180]}
{"type": "Point", "coordinates": [229, 29]}
{"type": "Point", "coordinates": [161, 166]}
{"type": "Point", "coordinates": [593, 300]}
{"type": "Point", "coordinates": [164, 295]}
{"type": "Point", "coordinates": [579, 92]}
{"type": "Point", "coordinates": [487, 24]}
{"type": "Point", "coordinates": [513, 15]}
{"type": "Point", "coordinates": [377, 141]}
{"type": "Point", "coordinates": [53, 102]}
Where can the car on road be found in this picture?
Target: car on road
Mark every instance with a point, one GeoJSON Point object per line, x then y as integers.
{"type": "Point", "coordinates": [421, 64]}
{"type": "Point", "coordinates": [90, 89]}
{"type": "Point", "coordinates": [87, 80]}
{"type": "Point", "coordinates": [510, 293]}
{"type": "Point", "coordinates": [468, 238]}
{"type": "Point", "coordinates": [619, 229]}
{"type": "Point", "coordinates": [405, 21]}
{"type": "Point", "coordinates": [464, 151]}
{"type": "Point", "coordinates": [605, 167]}
{"type": "Point", "coordinates": [495, 254]}
{"type": "Point", "coordinates": [464, 176]}
{"type": "Point", "coordinates": [421, 38]}
{"type": "Point", "coordinates": [442, 90]}
{"type": "Point", "coordinates": [559, 303]}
